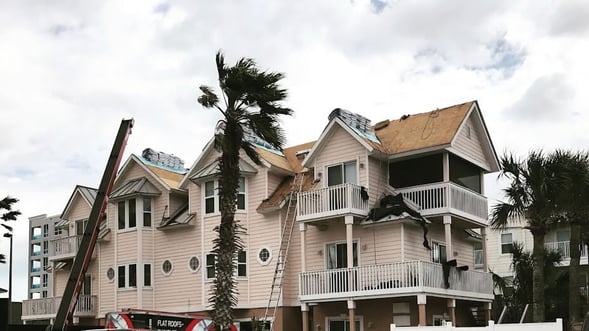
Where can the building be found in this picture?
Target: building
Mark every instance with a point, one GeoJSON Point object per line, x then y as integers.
{"type": "Point", "coordinates": [42, 231]}
{"type": "Point", "coordinates": [372, 224]}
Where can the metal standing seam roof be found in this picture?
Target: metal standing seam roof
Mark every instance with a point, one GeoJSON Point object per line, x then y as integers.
{"type": "Point", "coordinates": [180, 217]}
{"type": "Point", "coordinates": [137, 186]}
{"type": "Point", "coordinates": [212, 169]}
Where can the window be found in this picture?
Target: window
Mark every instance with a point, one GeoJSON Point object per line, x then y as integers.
{"type": "Point", "coordinates": [241, 194]}
{"type": "Point", "coordinates": [57, 231]}
{"type": "Point", "coordinates": [264, 256]}
{"type": "Point", "coordinates": [193, 264]}
{"type": "Point", "coordinates": [132, 275]}
{"type": "Point", "coordinates": [44, 280]}
{"type": "Point", "coordinates": [45, 247]}
{"type": "Point", "coordinates": [45, 262]}
{"type": "Point", "coordinates": [127, 276]}
{"type": "Point", "coordinates": [122, 283]}
{"type": "Point", "coordinates": [127, 214]}
{"type": "Point", "coordinates": [86, 288]}
{"type": "Point", "coordinates": [45, 230]}
{"type": "Point", "coordinates": [81, 226]}
{"type": "Point", "coordinates": [506, 243]}
{"type": "Point", "coordinates": [342, 173]}
{"type": "Point", "coordinates": [342, 324]}
{"type": "Point", "coordinates": [478, 255]}
{"type": "Point", "coordinates": [438, 252]}
{"type": "Point", "coordinates": [241, 264]}
{"type": "Point", "coordinates": [211, 196]}
{"type": "Point", "coordinates": [211, 260]}
{"type": "Point", "coordinates": [44, 294]}
{"type": "Point", "coordinates": [337, 255]}
{"type": "Point", "coordinates": [167, 267]}
{"type": "Point", "coordinates": [147, 212]}
{"type": "Point", "coordinates": [147, 275]}
{"type": "Point", "coordinates": [401, 314]}
{"type": "Point", "coordinates": [110, 274]}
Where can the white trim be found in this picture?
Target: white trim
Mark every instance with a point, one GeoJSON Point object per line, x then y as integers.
{"type": "Point", "coordinates": [326, 134]}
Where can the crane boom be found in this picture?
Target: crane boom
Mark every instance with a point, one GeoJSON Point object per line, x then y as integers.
{"type": "Point", "coordinates": [70, 295]}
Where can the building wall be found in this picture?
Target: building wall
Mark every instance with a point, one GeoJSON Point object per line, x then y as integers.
{"type": "Point", "coordinates": [339, 148]}
{"type": "Point", "coordinates": [471, 145]}
{"type": "Point", "coordinates": [40, 221]}
{"type": "Point", "coordinates": [501, 263]}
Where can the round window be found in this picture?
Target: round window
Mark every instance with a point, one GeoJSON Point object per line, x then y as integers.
{"type": "Point", "coordinates": [110, 274]}
{"type": "Point", "coordinates": [167, 267]}
{"type": "Point", "coordinates": [193, 263]}
{"type": "Point", "coordinates": [264, 256]}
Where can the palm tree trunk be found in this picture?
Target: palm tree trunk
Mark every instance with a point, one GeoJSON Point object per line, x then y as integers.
{"type": "Point", "coordinates": [227, 242]}
{"type": "Point", "coordinates": [575, 252]}
{"type": "Point", "coordinates": [538, 278]}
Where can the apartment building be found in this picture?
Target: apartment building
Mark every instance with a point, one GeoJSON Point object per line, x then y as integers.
{"type": "Point", "coordinates": [42, 231]}
{"type": "Point", "coordinates": [384, 223]}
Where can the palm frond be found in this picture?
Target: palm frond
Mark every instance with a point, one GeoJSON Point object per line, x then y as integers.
{"type": "Point", "coordinates": [208, 99]}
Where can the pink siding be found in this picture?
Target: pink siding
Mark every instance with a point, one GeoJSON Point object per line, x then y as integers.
{"type": "Point", "coordinates": [378, 179]}
{"type": "Point", "coordinates": [341, 147]}
{"type": "Point", "coordinates": [471, 146]}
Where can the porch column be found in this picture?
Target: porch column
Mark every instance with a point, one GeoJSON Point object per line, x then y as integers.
{"type": "Point", "coordinates": [446, 167]}
{"type": "Point", "coordinates": [349, 220]}
{"type": "Point", "coordinates": [484, 239]}
{"type": "Point", "coordinates": [452, 311]}
{"type": "Point", "coordinates": [421, 301]}
{"type": "Point", "coordinates": [352, 313]}
{"type": "Point", "coordinates": [488, 307]}
{"type": "Point", "coordinates": [303, 230]}
{"type": "Point", "coordinates": [448, 233]}
{"type": "Point", "coordinates": [305, 310]}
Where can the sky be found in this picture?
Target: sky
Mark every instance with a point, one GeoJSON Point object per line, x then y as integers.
{"type": "Point", "coordinates": [71, 70]}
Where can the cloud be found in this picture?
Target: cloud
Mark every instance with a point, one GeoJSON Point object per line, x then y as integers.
{"type": "Point", "coordinates": [547, 99]}
{"type": "Point", "coordinates": [570, 18]}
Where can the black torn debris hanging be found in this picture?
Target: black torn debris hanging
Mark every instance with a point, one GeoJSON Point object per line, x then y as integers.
{"type": "Point", "coordinates": [395, 205]}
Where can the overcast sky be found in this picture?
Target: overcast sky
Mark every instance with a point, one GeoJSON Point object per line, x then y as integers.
{"type": "Point", "coordinates": [71, 70]}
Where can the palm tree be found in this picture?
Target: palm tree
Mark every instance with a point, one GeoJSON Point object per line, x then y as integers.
{"type": "Point", "coordinates": [530, 196]}
{"type": "Point", "coordinates": [251, 105]}
{"type": "Point", "coordinates": [573, 209]}
{"type": "Point", "coordinates": [6, 216]}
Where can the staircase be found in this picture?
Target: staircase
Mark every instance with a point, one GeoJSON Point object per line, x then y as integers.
{"type": "Point", "coordinates": [288, 226]}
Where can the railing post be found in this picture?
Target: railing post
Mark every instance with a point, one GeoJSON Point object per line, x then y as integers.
{"type": "Point", "coordinates": [420, 273]}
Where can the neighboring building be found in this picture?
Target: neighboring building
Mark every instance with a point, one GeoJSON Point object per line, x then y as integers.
{"type": "Point", "coordinates": [500, 244]}
{"type": "Point", "coordinates": [345, 263]}
{"type": "Point", "coordinates": [42, 231]}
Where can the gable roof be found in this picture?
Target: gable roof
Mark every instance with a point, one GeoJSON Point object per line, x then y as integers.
{"type": "Point", "coordinates": [88, 194]}
{"type": "Point", "coordinates": [436, 128]}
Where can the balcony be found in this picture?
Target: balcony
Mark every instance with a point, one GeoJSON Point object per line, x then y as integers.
{"type": "Point", "coordinates": [332, 201]}
{"type": "Point", "coordinates": [393, 280]}
{"type": "Point", "coordinates": [64, 248]}
{"type": "Point", "coordinates": [46, 308]}
{"type": "Point", "coordinates": [564, 248]}
{"type": "Point", "coordinates": [443, 198]}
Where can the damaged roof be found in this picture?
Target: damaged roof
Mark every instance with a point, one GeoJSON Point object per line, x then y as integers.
{"type": "Point", "coordinates": [280, 194]}
{"type": "Point", "coordinates": [424, 130]}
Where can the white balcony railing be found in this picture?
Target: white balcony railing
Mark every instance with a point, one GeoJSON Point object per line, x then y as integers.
{"type": "Point", "coordinates": [564, 248]}
{"type": "Point", "coordinates": [65, 247]}
{"type": "Point", "coordinates": [331, 201]}
{"type": "Point", "coordinates": [401, 278]}
{"type": "Point", "coordinates": [447, 197]}
{"type": "Point", "coordinates": [47, 307]}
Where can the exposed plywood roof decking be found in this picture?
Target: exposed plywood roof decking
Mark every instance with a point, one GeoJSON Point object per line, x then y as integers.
{"type": "Point", "coordinates": [422, 131]}
{"type": "Point", "coordinates": [173, 179]}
